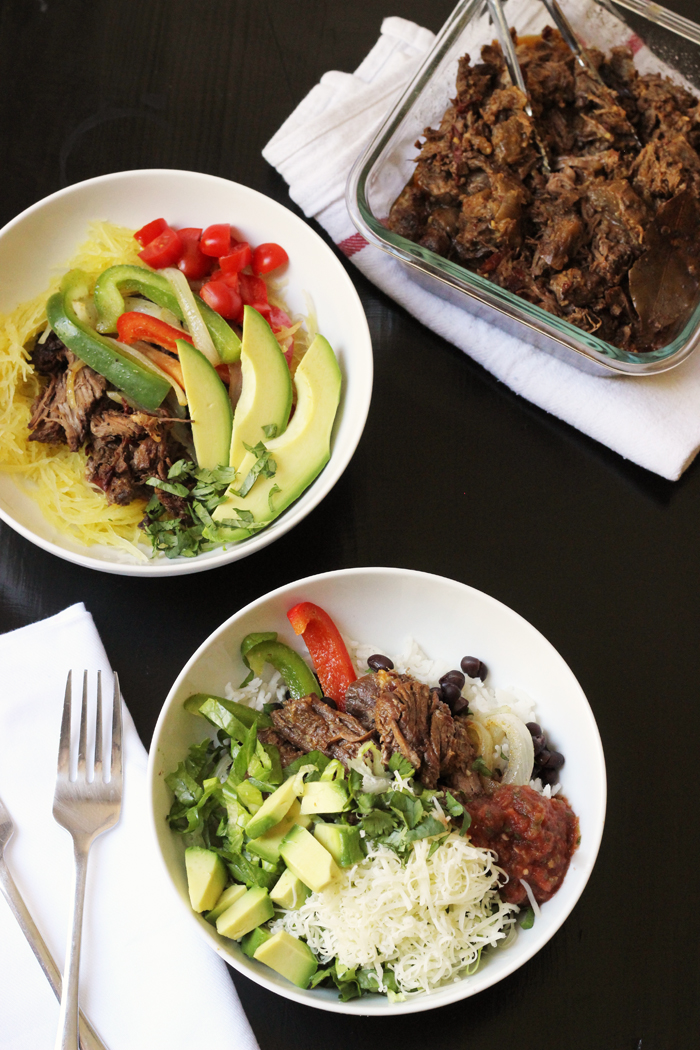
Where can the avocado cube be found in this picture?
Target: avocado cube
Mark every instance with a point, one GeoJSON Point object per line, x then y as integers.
{"type": "Point", "coordinates": [230, 895]}
{"type": "Point", "coordinates": [252, 909]}
{"type": "Point", "coordinates": [267, 846]}
{"type": "Point", "coordinates": [250, 796]}
{"type": "Point", "coordinates": [342, 842]}
{"type": "Point", "coordinates": [307, 859]}
{"type": "Point", "coordinates": [274, 808]}
{"type": "Point", "coordinates": [252, 941]}
{"type": "Point", "coordinates": [289, 956]}
{"type": "Point", "coordinates": [324, 796]}
{"type": "Point", "coordinates": [289, 891]}
{"type": "Point", "coordinates": [206, 877]}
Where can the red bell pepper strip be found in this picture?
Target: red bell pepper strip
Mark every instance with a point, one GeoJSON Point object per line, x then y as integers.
{"type": "Point", "coordinates": [134, 325]}
{"type": "Point", "coordinates": [330, 657]}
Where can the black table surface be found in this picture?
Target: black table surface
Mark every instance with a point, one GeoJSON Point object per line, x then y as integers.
{"type": "Point", "coordinates": [454, 475]}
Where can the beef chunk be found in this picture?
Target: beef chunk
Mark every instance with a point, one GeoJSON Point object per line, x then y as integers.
{"type": "Point", "coordinates": [288, 753]}
{"type": "Point", "coordinates": [456, 772]}
{"type": "Point", "coordinates": [361, 696]}
{"type": "Point", "coordinates": [311, 725]}
{"type": "Point", "coordinates": [61, 413]}
{"type": "Point", "coordinates": [412, 719]}
{"type": "Point", "coordinates": [127, 448]}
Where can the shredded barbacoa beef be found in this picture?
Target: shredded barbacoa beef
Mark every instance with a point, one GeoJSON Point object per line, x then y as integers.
{"type": "Point", "coordinates": [401, 715]}
{"type": "Point", "coordinates": [287, 751]}
{"type": "Point", "coordinates": [566, 242]}
{"type": "Point", "coordinates": [125, 447]}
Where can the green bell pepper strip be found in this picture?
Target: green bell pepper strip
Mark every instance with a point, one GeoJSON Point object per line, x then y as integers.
{"type": "Point", "coordinates": [255, 669]}
{"type": "Point", "coordinates": [146, 388]}
{"type": "Point", "coordinates": [127, 279]}
{"type": "Point", "coordinates": [297, 675]}
{"type": "Point", "coordinates": [247, 715]}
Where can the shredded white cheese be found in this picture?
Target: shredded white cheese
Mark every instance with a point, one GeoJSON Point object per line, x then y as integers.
{"type": "Point", "coordinates": [427, 918]}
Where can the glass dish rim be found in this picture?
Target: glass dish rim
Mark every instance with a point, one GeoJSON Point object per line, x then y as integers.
{"type": "Point", "coordinates": [614, 360]}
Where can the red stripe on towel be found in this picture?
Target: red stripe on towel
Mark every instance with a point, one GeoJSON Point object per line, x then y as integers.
{"type": "Point", "coordinates": [353, 244]}
{"type": "Point", "coordinates": [635, 43]}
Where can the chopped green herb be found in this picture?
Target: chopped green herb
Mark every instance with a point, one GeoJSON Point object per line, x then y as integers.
{"type": "Point", "coordinates": [270, 430]}
{"type": "Point", "coordinates": [527, 921]}
{"type": "Point", "coordinates": [479, 766]}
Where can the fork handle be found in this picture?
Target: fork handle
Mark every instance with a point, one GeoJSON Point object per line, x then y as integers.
{"type": "Point", "coordinates": [67, 1037]}
{"type": "Point", "coordinates": [89, 1039]}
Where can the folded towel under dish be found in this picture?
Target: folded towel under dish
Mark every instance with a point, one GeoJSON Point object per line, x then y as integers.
{"type": "Point", "coordinates": [654, 421]}
{"type": "Point", "coordinates": [147, 978]}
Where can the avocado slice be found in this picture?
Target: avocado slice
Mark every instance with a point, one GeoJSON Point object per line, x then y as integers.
{"type": "Point", "coordinates": [307, 859]}
{"type": "Point", "coordinates": [230, 895]}
{"type": "Point", "coordinates": [324, 796]}
{"type": "Point", "coordinates": [253, 908]}
{"type": "Point", "coordinates": [206, 877]}
{"type": "Point", "coordinates": [289, 891]}
{"type": "Point", "coordinates": [289, 956]}
{"type": "Point", "coordinates": [209, 405]}
{"type": "Point", "coordinates": [252, 941]}
{"type": "Point", "coordinates": [301, 453]}
{"type": "Point", "coordinates": [266, 391]}
{"type": "Point", "coordinates": [274, 808]}
{"type": "Point", "coordinates": [268, 844]}
{"type": "Point", "coordinates": [342, 842]}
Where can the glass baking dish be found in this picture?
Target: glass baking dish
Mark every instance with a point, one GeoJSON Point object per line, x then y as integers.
{"type": "Point", "coordinates": [654, 33]}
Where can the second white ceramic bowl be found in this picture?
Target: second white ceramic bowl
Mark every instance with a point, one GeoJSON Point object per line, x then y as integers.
{"type": "Point", "coordinates": [449, 620]}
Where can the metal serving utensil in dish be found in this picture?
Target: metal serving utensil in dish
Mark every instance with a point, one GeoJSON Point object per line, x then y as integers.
{"type": "Point", "coordinates": [383, 170]}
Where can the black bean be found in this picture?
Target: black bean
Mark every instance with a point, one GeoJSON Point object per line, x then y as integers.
{"type": "Point", "coordinates": [535, 729]}
{"type": "Point", "coordinates": [543, 758]}
{"type": "Point", "coordinates": [538, 737]}
{"type": "Point", "coordinates": [450, 692]}
{"type": "Point", "coordinates": [555, 760]}
{"type": "Point", "coordinates": [330, 701]}
{"type": "Point", "coordinates": [380, 663]}
{"type": "Point", "coordinates": [456, 677]}
{"type": "Point", "coordinates": [473, 666]}
{"type": "Point", "coordinates": [460, 706]}
{"type": "Point", "coordinates": [548, 776]}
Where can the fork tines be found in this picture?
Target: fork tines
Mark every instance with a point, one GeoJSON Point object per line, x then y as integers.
{"type": "Point", "coordinates": [64, 747]}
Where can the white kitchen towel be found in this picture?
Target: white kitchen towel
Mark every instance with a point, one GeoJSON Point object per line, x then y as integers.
{"type": "Point", "coordinates": [654, 421]}
{"type": "Point", "coordinates": [147, 979]}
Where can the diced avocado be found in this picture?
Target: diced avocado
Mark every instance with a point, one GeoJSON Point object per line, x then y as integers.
{"type": "Point", "coordinates": [250, 796]}
{"type": "Point", "coordinates": [253, 908]}
{"type": "Point", "coordinates": [307, 858]}
{"type": "Point", "coordinates": [252, 941]}
{"type": "Point", "coordinates": [230, 895]}
{"type": "Point", "coordinates": [209, 405]}
{"type": "Point", "coordinates": [274, 808]}
{"type": "Point", "coordinates": [289, 956]}
{"type": "Point", "coordinates": [302, 451]}
{"type": "Point", "coordinates": [342, 842]}
{"type": "Point", "coordinates": [289, 891]}
{"type": "Point", "coordinates": [206, 877]}
{"type": "Point", "coordinates": [267, 846]}
{"type": "Point", "coordinates": [324, 796]}
{"type": "Point", "coordinates": [266, 390]}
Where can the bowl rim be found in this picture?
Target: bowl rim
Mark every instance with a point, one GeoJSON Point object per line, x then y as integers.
{"type": "Point", "coordinates": [534, 323]}
{"type": "Point", "coordinates": [449, 993]}
{"type": "Point", "coordinates": [324, 481]}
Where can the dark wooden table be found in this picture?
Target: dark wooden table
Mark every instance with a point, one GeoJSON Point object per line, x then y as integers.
{"type": "Point", "coordinates": [454, 475]}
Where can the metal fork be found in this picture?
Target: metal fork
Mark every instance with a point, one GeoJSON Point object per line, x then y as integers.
{"type": "Point", "coordinates": [85, 809]}
{"type": "Point", "coordinates": [89, 1039]}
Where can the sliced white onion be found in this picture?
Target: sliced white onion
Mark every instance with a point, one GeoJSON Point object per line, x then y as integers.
{"type": "Point", "coordinates": [521, 752]}
{"type": "Point", "coordinates": [482, 740]}
{"type": "Point", "coordinates": [136, 355]}
{"type": "Point", "coordinates": [145, 306]}
{"type": "Point", "coordinates": [198, 330]}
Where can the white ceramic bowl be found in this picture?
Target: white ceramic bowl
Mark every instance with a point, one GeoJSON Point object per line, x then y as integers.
{"type": "Point", "coordinates": [41, 241]}
{"type": "Point", "coordinates": [448, 620]}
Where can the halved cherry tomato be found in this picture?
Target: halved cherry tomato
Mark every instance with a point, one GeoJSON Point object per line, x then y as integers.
{"type": "Point", "coordinates": [150, 231]}
{"type": "Point", "coordinates": [238, 258]}
{"type": "Point", "coordinates": [216, 239]}
{"type": "Point", "coordinates": [253, 290]}
{"type": "Point", "coordinates": [225, 300]}
{"type": "Point", "coordinates": [267, 257]}
{"type": "Point", "coordinates": [134, 325]}
{"type": "Point", "coordinates": [231, 279]}
{"type": "Point", "coordinates": [164, 250]}
{"type": "Point", "coordinates": [193, 263]}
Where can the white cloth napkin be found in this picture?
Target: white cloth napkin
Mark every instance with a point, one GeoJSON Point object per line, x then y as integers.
{"type": "Point", "coordinates": [147, 979]}
{"type": "Point", "coordinates": [654, 421]}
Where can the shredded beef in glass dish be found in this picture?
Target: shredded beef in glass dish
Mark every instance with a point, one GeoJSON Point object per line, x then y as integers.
{"type": "Point", "coordinates": [601, 256]}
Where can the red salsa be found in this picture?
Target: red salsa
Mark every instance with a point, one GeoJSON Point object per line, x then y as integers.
{"type": "Point", "coordinates": [533, 836]}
